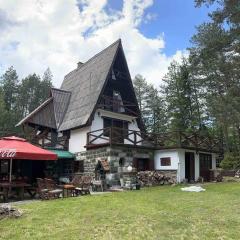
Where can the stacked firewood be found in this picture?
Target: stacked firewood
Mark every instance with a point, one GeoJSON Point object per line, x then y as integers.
{"type": "Point", "coordinates": [153, 178]}
{"type": "Point", "coordinates": [6, 210]}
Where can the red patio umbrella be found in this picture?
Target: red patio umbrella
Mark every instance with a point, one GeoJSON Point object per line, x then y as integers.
{"type": "Point", "coordinates": [18, 148]}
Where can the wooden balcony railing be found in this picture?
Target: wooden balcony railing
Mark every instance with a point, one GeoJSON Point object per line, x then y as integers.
{"type": "Point", "coordinates": [124, 107]}
{"type": "Point", "coordinates": [115, 135]}
{"type": "Point", "coordinates": [177, 139]}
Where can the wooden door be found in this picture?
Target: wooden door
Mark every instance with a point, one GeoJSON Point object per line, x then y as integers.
{"type": "Point", "coordinates": [189, 166]}
{"type": "Point", "coordinates": [142, 164]}
{"type": "Point", "coordinates": [205, 164]}
{"type": "Point", "coordinates": [118, 131]}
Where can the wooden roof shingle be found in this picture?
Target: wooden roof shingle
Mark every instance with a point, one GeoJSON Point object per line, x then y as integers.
{"type": "Point", "coordinates": [86, 83]}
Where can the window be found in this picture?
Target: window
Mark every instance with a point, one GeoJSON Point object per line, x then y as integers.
{"type": "Point", "coordinates": [165, 161]}
{"type": "Point", "coordinates": [107, 123]}
{"type": "Point", "coordinates": [117, 102]}
{"type": "Point", "coordinates": [78, 166]}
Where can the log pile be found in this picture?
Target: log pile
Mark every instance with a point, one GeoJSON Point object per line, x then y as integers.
{"type": "Point", "coordinates": [7, 211]}
{"type": "Point", "coordinates": [154, 178]}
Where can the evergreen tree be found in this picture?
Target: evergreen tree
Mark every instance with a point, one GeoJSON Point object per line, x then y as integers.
{"type": "Point", "coordinates": [32, 92]}
{"type": "Point", "coordinates": [3, 112]}
{"type": "Point", "coordinates": [9, 83]}
{"type": "Point", "coordinates": [151, 105]}
{"type": "Point", "coordinates": [181, 98]}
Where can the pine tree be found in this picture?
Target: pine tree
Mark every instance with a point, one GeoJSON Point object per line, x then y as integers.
{"type": "Point", "coordinates": [181, 98]}
{"type": "Point", "coordinates": [151, 105]}
{"type": "Point", "coordinates": [9, 82]}
{"type": "Point", "coordinates": [32, 92]}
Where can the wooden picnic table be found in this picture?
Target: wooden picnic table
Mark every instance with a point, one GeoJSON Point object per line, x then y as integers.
{"type": "Point", "coordinates": [7, 188]}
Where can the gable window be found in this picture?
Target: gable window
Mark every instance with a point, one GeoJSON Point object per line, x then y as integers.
{"type": "Point", "coordinates": [117, 102]}
{"type": "Point", "coordinates": [166, 161]}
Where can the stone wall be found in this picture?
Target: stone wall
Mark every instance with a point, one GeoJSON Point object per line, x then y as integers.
{"type": "Point", "coordinates": [113, 155]}
{"type": "Point", "coordinates": [119, 159]}
{"type": "Point", "coordinates": [91, 158]}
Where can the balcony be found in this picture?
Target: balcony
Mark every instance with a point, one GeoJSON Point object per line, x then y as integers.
{"type": "Point", "coordinates": [170, 140]}
{"type": "Point", "coordinates": [117, 105]}
{"type": "Point", "coordinates": [115, 135]}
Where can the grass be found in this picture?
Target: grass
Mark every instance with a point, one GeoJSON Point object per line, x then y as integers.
{"type": "Point", "coordinates": [152, 213]}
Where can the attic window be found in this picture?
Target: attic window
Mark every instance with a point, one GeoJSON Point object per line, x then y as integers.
{"type": "Point", "coordinates": [113, 76]}
{"type": "Point", "coordinates": [117, 102]}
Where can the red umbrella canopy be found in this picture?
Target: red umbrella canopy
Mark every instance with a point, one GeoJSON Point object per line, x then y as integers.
{"type": "Point", "coordinates": [18, 148]}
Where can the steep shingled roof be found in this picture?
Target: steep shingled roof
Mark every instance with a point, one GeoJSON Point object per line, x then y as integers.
{"type": "Point", "coordinates": [51, 112]}
{"type": "Point", "coordinates": [72, 106]}
{"type": "Point", "coordinates": [86, 83]}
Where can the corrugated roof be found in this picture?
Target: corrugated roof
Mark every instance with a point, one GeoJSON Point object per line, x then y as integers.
{"type": "Point", "coordinates": [86, 83]}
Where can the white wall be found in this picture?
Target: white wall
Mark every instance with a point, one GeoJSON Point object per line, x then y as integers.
{"type": "Point", "coordinates": [78, 139]}
{"type": "Point", "coordinates": [173, 154]}
{"type": "Point", "coordinates": [181, 166]}
{"type": "Point", "coordinates": [178, 161]}
{"type": "Point", "coordinates": [134, 127]}
{"type": "Point", "coordinates": [97, 124]}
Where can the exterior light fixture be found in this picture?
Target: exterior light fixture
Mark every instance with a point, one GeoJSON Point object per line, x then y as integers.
{"type": "Point", "coordinates": [129, 168]}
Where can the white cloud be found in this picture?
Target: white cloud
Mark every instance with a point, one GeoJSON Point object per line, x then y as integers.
{"type": "Point", "coordinates": [58, 34]}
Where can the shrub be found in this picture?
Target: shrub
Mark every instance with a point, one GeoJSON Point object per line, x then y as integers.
{"type": "Point", "coordinates": [231, 161]}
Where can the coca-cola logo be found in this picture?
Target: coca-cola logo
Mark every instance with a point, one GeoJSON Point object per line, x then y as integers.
{"type": "Point", "coordinates": [7, 153]}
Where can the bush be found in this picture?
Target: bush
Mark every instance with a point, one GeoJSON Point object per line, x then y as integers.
{"type": "Point", "coordinates": [231, 161]}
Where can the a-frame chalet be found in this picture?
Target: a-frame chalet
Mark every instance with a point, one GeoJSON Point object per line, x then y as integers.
{"type": "Point", "coordinates": [95, 116]}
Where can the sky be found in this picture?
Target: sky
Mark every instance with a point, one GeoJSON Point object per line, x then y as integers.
{"type": "Point", "coordinates": [37, 34]}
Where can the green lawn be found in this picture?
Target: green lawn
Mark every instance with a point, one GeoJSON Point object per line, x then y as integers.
{"type": "Point", "coordinates": [152, 213]}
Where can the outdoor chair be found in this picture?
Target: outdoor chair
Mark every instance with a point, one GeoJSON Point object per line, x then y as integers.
{"type": "Point", "coordinates": [42, 189]}
{"type": "Point", "coordinates": [87, 184]}
{"type": "Point", "coordinates": [77, 182]}
{"type": "Point", "coordinates": [53, 190]}
{"type": "Point", "coordinates": [82, 184]}
{"type": "Point", "coordinates": [97, 184]}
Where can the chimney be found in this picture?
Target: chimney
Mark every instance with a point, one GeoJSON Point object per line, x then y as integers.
{"type": "Point", "coordinates": [79, 64]}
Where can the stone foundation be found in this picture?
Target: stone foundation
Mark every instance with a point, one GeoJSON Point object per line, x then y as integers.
{"type": "Point", "coordinates": [119, 159]}
{"type": "Point", "coordinates": [113, 155]}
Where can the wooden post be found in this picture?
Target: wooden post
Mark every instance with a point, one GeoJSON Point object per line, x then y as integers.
{"type": "Point", "coordinates": [10, 171]}
{"type": "Point", "coordinates": [135, 138]}
{"type": "Point", "coordinates": [88, 138]}
{"type": "Point", "coordinates": [111, 135]}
